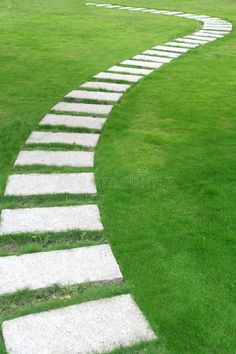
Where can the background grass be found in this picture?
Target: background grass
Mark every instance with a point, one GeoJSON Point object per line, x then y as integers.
{"type": "Point", "coordinates": [165, 165]}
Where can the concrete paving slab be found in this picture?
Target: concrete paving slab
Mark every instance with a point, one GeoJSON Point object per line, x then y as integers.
{"type": "Point", "coordinates": [106, 86]}
{"type": "Point", "coordinates": [152, 58]}
{"type": "Point", "coordinates": [118, 77]}
{"type": "Point", "coordinates": [51, 183]}
{"type": "Point", "coordinates": [81, 139]}
{"type": "Point", "coordinates": [71, 121]}
{"type": "Point", "coordinates": [65, 267]}
{"type": "Point", "coordinates": [94, 95]}
{"type": "Point", "coordinates": [91, 327]}
{"type": "Point", "coordinates": [55, 158]}
{"type": "Point", "coordinates": [171, 49]}
{"type": "Point", "coordinates": [142, 64]}
{"type": "Point", "coordinates": [89, 108]}
{"type": "Point", "coordinates": [128, 70]}
{"type": "Point", "coordinates": [51, 219]}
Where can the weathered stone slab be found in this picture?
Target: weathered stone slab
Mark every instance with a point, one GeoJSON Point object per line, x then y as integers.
{"type": "Point", "coordinates": [118, 77]}
{"type": "Point", "coordinates": [81, 139]}
{"type": "Point", "coordinates": [186, 40]}
{"type": "Point", "coordinates": [53, 183]}
{"type": "Point", "coordinates": [142, 64]}
{"type": "Point", "coordinates": [65, 267]}
{"type": "Point", "coordinates": [94, 95]}
{"type": "Point", "coordinates": [162, 53]}
{"type": "Point", "coordinates": [55, 158]}
{"type": "Point", "coordinates": [171, 49]}
{"type": "Point", "coordinates": [51, 219]}
{"type": "Point", "coordinates": [125, 69]}
{"type": "Point", "coordinates": [106, 86]}
{"type": "Point", "coordinates": [152, 58]}
{"type": "Point", "coordinates": [89, 108]}
{"type": "Point", "coordinates": [91, 327]}
{"type": "Point", "coordinates": [73, 121]}
{"type": "Point", "coordinates": [184, 45]}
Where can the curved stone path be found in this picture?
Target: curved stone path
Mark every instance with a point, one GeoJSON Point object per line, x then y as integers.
{"type": "Point", "coordinates": [95, 326]}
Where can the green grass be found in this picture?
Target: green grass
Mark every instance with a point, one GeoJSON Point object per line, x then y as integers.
{"type": "Point", "coordinates": [165, 165]}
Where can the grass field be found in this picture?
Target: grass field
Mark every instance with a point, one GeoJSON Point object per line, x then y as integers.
{"type": "Point", "coordinates": [165, 165]}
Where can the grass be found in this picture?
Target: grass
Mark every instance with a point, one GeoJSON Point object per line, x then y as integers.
{"type": "Point", "coordinates": [165, 165]}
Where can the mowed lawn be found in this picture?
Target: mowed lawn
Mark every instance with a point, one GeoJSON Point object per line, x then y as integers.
{"type": "Point", "coordinates": [165, 165]}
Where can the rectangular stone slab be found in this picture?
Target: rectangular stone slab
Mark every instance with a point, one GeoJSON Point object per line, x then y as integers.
{"type": "Point", "coordinates": [171, 49]}
{"type": "Point", "coordinates": [106, 86]}
{"type": "Point", "coordinates": [82, 139]}
{"type": "Point", "coordinates": [162, 53]}
{"type": "Point", "coordinates": [200, 38]}
{"type": "Point", "coordinates": [118, 77]}
{"type": "Point", "coordinates": [152, 58]}
{"type": "Point", "coordinates": [186, 40]}
{"type": "Point", "coordinates": [209, 34]}
{"type": "Point", "coordinates": [218, 28]}
{"type": "Point", "coordinates": [91, 327]}
{"type": "Point", "coordinates": [94, 95]}
{"type": "Point", "coordinates": [51, 219]}
{"type": "Point", "coordinates": [73, 121]}
{"type": "Point", "coordinates": [65, 267]}
{"type": "Point", "coordinates": [55, 158]}
{"type": "Point", "coordinates": [184, 45]}
{"type": "Point", "coordinates": [51, 183]}
{"type": "Point", "coordinates": [125, 69]}
{"type": "Point", "coordinates": [90, 108]}
{"type": "Point", "coordinates": [215, 32]}
{"type": "Point", "coordinates": [142, 64]}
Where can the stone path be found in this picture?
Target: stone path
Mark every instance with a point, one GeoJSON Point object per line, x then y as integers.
{"type": "Point", "coordinates": [102, 325]}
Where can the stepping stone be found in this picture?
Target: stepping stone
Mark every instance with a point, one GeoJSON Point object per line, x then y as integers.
{"type": "Point", "coordinates": [98, 96]}
{"type": "Point", "coordinates": [125, 8]}
{"type": "Point", "coordinates": [81, 139]}
{"type": "Point", "coordinates": [162, 53]}
{"type": "Point", "coordinates": [124, 69]}
{"type": "Point", "coordinates": [198, 37]}
{"type": "Point", "coordinates": [184, 45]}
{"type": "Point", "coordinates": [171, 49]}
{"type": "Point", "coordinates": [149, 10]}
{"type": "Point", "coordinates": [67, 267]}
{"type": "Point", "coordinates": [83, 108]}
{"type": "Point", "coordinates": [106, 86]}
{"type": "Point", "coordinates": [215, 32]}
{"type": "Point", "coordinates": [51, 219]}
{"type": "Point", "coordinates": [55, 158]}
{"type": "Point", "coordinates": [158, 12]}
{"type": "Point", "coordinates": [186, 40]}
{"type": "Point", "coordinates": [112, 6]}
{"type": "Point", "coordinates": [91, 327]}
{"type": "Point", "coordinates": [53, 183]}
{"type": "Point", "coordinates": [152, 58]}
{"type": "Point", "coordinates": [118, 77]}
{"type": "Point", "coordinates": [142, 64]}
{"type": "Point", "coordinates": [208, 34]}
{"type": "Point", "coordinates": [137, 9]}
{"type": "Point", "coordinates": [172, 13]}
{"type": "Point", "coordinates": [218, 28]}
{"type": "Point", "coordinates": [73, 121]}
